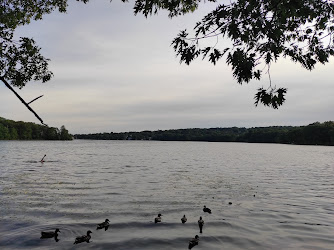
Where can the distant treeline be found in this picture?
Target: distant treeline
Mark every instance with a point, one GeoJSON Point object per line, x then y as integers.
{"type": "Point", "coordinates": [13, 130]}
{"type": "Point", "coordinates": [313, 134]}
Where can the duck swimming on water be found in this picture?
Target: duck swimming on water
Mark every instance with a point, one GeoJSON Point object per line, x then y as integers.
{"type": "Point", "coordinates": [158, 219]}
{"type": "Point", "coordinates": [83, 238]}
{"type": "Point", "coordinates": [104, 225]}
{"type": "Point", "coordinates": [184, 219]}
{"type": "Point", "coordinates": [207, 210]}
{"type": "Point", "coordinates": [50, 234]}
{"type": "Point", "coordinates": [193, 242]}
{"type": "Point", "coordinates": [200, 224]}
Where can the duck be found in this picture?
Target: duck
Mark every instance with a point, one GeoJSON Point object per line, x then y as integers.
{"type": "Point", "coordinates": [50, 234]}
{"type": "Point", "coordinates": [200, 224]}
{"type": "Point", "coordinates": [193, 242]}
{"type": "Point", "coordinates": [104, 225]}
{"type": "Point", "coordinates": [184, 219]}
{"type": "Point", "coordinates": [158, 219]}
{"type": "Point", "coordinates": [83, 238]}
{"type": "Point", "coordinates": [207, 210]}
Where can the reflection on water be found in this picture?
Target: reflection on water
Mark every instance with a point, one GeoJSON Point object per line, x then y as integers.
{"type": "Point", "coordinates": [262, 196]}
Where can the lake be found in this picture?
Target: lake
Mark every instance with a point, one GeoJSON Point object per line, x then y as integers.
{"type": "Point", "coordinates": [282, 195]}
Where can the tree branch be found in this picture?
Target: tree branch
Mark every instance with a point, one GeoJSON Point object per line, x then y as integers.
{"type": "Point", "coordinates": [18, 96]}
{"type": "Point", "coordinates": [35, 99]}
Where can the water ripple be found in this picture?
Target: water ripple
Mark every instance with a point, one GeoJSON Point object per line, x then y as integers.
{"type": "Point", "coordinates": [281, 200]}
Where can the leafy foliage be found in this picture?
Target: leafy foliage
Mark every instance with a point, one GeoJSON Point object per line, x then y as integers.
{"type": "Point", "coordinates": [18, 130]}
{"type": "Point", "coordinates": [273, 97]}
{"type": "Point", "coordinates": [260, 32]}
{"type": "Point", "coordinates": [174, 8]}
{"type": "Point", "coordinates": [21, 61]}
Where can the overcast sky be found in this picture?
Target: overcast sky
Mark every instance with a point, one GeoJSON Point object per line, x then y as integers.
{"type": "Point", "coordinates": [116, 72]}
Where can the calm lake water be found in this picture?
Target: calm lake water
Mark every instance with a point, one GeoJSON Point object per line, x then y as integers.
{"type": "Point", "coordinates": [83, 182]}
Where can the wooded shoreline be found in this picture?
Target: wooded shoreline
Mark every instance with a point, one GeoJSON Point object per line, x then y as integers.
{"type": "Point", "coordinates": [19, 130]}
{"type": "Point", "coordinates": [312, 134]}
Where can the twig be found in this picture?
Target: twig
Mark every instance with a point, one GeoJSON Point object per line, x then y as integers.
{"type": "Point", "coordinates": [35, 99]}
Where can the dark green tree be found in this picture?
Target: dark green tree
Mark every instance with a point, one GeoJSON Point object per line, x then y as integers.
{"type": "Point", "coordinates": [64, 135]}
{"type": "Point", "coordinates": [4, 132]}
{"type": "Point", "coordinates": [13, 134]}
{"type": "Point", "coordinates": [12, 130]}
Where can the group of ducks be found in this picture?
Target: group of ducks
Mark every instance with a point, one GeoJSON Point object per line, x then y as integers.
{"type": "Point", "coordinates": [78, 239]}
{"type": "Point", "coordinates": [194, 241]}
{"type": "Point", "coordinates": [105, 225]}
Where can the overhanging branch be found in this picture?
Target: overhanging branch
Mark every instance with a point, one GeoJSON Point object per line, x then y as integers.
{"type": "Point", "coordinates": [18, 96]}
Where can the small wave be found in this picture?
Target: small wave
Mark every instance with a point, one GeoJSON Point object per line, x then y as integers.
{"type": "Point", "coordinates": [129, 166]}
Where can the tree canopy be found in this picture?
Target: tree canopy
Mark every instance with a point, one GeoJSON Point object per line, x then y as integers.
{"type": "Point", "coordinates": [21, 61]}
{"type": "Point", "coordinates": [18, 130]}
{"type": "Point", "coordinates": [260, 31]}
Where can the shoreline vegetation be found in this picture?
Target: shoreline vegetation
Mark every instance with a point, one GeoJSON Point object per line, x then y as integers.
{"type": "Point", "coordinates": [19, 130]}
{"type": "Point", "coordinates": [313, 134]}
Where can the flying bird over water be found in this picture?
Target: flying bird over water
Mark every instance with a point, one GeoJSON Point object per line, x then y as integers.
{"type": "Point", "coordinates": [158, 219]}
{"type": "Point", "coordinates": [184, 219]}
{"type": "Point", "coordinates": [207, 210]}
{"type": "Point", "coordinates": [193, 242]}
{"type": "Point", "coordinates": [83, 238]}
{"type": "Point", "coordinates": [200, 224]}
{"type": "Point", "coordinates": [104, 225]}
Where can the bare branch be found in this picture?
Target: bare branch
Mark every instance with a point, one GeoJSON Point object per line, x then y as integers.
{"type": "Point", "coordinates": [35, 99]}
{"type": "Point", "coordinates": [18, 96]}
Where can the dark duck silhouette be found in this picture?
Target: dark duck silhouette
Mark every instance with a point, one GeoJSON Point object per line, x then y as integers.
{"type": "Point", "coordinates": [193, 242]}
{"type": "Point", "coordinates": [51, 234]}
{"type": "Point", "coordinates": [184, 219]}
{"type": "Point", "coordinates": [158, 219]}
{"type": "Point", "coordinates": [104, 225]}
{"type": "Point", "coordinates": [207, 210]}
{"type": "Point", "coordinates": [83, 238]}
{"type": "Point", "coordinates": [200, 224]}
